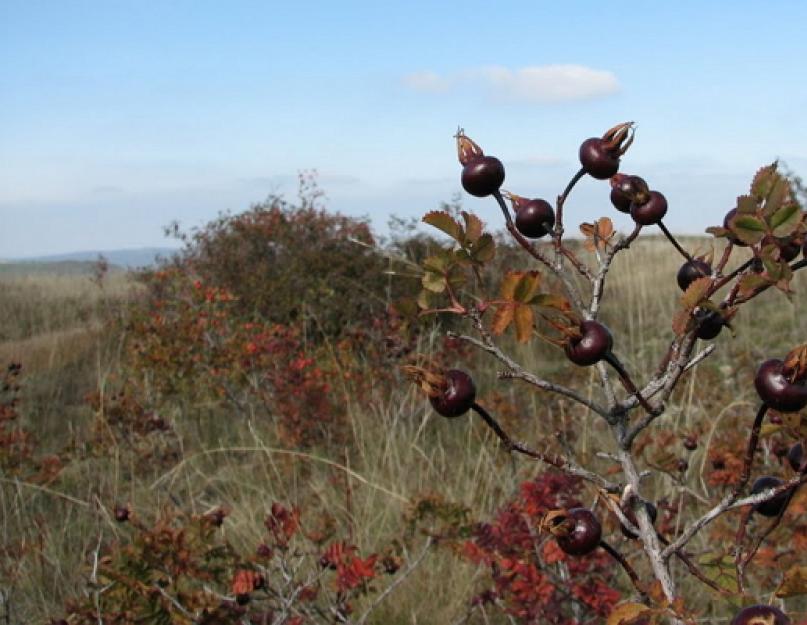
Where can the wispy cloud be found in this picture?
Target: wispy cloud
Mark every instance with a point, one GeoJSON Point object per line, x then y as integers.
{"type": "Point", "coordinates": [532, 84]}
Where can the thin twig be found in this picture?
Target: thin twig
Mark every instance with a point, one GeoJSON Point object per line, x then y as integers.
{"type": "Point", "coordinates": [626, 566]}
{"type": "Point", "coordinates": [559, 462]}
{"type": "Point", "coordinates": [674, 241]}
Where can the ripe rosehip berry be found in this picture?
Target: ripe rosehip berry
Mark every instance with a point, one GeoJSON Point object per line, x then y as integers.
{"type": "Point", "coordinates": [534, 218]}
{"type": "Point", "coordinates": [776, 390]}
{"type": "Point", "coordinates": [692, 270]}
{"type": "Point", "coordinates": [481, 175]}
{"type": "Point", "coordinates": [584, 532]}
{"type": "Point", "coordinates": [651, 211]}
{"type": "Point", "coordinates": [710, 323]}
{"type": "Point", "coordinates": [456, 396]}
{"type": "Point", "coordinates": [726, 222]}
{"type": "Point", "coordinates": [594, 344]}
{"type": "Point", "coordinates": [690, 443]}
{"type": "Point", "coordinates": [789, 251]}
{"type": "Point", "coordinates": [600, 156]}
{"type": "Point", "coordinates": [652, 511]}
{"type": "Point", "coordinates": [795, 456]}
{"type": "Point", "coordinates": [625, 189]}
{"type": "Point", "coordinates": [761, 615]}
{"type": "Point", "coordinates": [122, 513]}
{"type": "Point", "coordinates": [771, 507]}
{"type": "Point", "coordinates": [681, 466]}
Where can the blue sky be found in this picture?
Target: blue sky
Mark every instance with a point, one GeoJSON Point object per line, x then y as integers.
{"type": "Point", "coordinates": [117, 117]}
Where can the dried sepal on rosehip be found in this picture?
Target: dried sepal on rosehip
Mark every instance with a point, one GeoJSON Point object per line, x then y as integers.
{"type": "Point", "coordinates": [481, 175]}
{"type": "Point", "coordinates": [599, 156]}
{"type": "Point", "coordinates": [452, 393]}
{"type": "Point", "coordinates": [534, 218]}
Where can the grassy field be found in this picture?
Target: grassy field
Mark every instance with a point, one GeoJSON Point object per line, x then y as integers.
{"type": "Point", "coordinates": [60, 327]}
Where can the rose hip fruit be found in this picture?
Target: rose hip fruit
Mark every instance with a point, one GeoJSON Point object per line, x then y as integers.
{"type": "Point", "coordinates": [534, 218]}
{"type": "Point", "coordinates": [483, 176]}
{"type": "Point", "coordinates": [761, 615]}
{"type": "Point", "coordinates": [771, 507]}
{"type": "Point", "coordinates": [652, 511]}
{"type": "Point", "coordinates": [584, 535]}
{"type": "Point", "coordinates": [599, 156]}
{"type": "Point", "coordinates": [710, 323]}
{"type": "Point", "coordinates": [776, 390]}
{"type": "Point", "coordinates": [457, 395]}
{"type": "Point", "coordinates": [593, 346]}
{"type": "Point", "coordinates": [795, 456]}
{"type": "Point", "coordinates": [651, 211]}
{"type": "Point", "coordinates": [692, 270]}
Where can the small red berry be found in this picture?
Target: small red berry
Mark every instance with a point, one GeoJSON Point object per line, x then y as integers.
{"type": "Point", "coordinates": [481, 175]}
{"type": "Point", "coordinates": [772, 507]}
{"type": "Point", "coordinates": [584, 532]}
{"type": "Point", "coordinates": [690, 443]}
{"type": "Point", "coordinates": [776, 390]}
{"type": "Point", "coordinates": [534, 218]}
{"type": "Point", "coordinates": [456, 396]}
{"type": "Point", "coordinates": [594, 344]}
{"type": "Point", "coordinates": [691, 271]}
{"type": "Point", "coordinates": [122, 513]}
{"type": "Point", "coordinates": [761, 615]}
{"type": "Point", "coordinates": [651, 211]}
{"type": "Point", "coordinates": [599, 156]}
{"type": "Point", "coordinates": [681, 466]}
{"type": "Point", "coordinates": [795, 456]}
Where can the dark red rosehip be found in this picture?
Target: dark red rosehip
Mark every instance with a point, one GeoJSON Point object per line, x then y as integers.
{"type": "Point", "coordinates": [681, 466]}
{"type": "Point", "coordinates": [242, 599]}
{"type": "Point", "coordinates": [483, 176]}
{"type": "Point", "coordinates": [584, 532]}
{"type": "Point", "coordinates": [795, 456]}
{"type": "Point", "coordinates": [599, 156]}
{"type": "Point", "coordinates": [692, 270]}
{"type": "Point", "coordinates": [216, 517]}
{"type": "Point", "coordinates": [593, 346]}
{"type": "Point", "coordinates": [690, 443]}
{"type": "Point", "coordinates": [761, 615]}
{"type": "Point", "coordinates": [264, 551]}
{"type": "Point", "coordinates": [710, 323]}
{"type": "Point", "coordinates": [122, 513]}
{"type": "Point", "coordinates": [726, 224]}
{"type": "Point", "coordinates": [771, 507]}
{"type": "Point", "coordinates": [598, 159]}
{"type": "Point", "coordinates": [718, 464]}
{"type": "Point", "coordinates": [789, 251]}
{"type": "Point", "coordinates": [779, 450]}
{"type": "Point", "coordinates": [776, 390]}
{"type": "Point", "coordinates": [620, 201]}
{"type": "Point", "coordinates": [651, 211]}
{"type": "Point", "coordinates": [457, 395]}
{"type": "Point", "coordinates": [776, 419]}
{"type": "Point", "coordinates": [652, 511]}
{"type": "Point", "coordinates": [535, 218]}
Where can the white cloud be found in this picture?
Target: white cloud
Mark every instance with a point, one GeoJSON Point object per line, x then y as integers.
{"type": "Point", "coordinates": [533, 84]}
{"type": "Point", "coordinates": [427, 81]}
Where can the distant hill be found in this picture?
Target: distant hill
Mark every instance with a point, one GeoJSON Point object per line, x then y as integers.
{"type": "Point", "coordinates": [127, 258]}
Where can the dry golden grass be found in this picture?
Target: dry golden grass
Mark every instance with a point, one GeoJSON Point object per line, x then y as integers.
{"type": "Point", "coordinates": [398, 449]}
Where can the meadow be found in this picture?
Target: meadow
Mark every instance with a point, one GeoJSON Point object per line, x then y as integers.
{"type": "Point", "coordinates": [118, 423]}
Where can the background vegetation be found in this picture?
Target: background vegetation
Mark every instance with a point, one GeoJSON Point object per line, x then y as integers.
{"type": "Point", "coordinates": [242, 406]}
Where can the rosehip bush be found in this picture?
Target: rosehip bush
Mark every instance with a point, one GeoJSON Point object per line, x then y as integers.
{"type": "Point", "coordinates": [557, 294]}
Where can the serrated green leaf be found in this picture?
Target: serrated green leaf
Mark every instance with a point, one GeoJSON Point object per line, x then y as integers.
{"type": "Point", "coordinates": [445, 222]}
{"type": "Point", "coordinates": [778, 195]}
{"type": "Point", "coordinates": [718, 231]}
{"type": "Point", "coordinates": [746, 205]}
{"type": "Point", "coordinates": [748, 228]}
{"type": "Point", "coordinates": [785, 220]}
{"type": "Point", "coordinates": [437, 263]}
{"type": "Point", "coordinates": [434, 282]}
{"type": "Point", "coordinates": [484, 250]}
{"type": "Point", "coordinates": [525, 320]}
{"type": "Point", "coordinates": [763, 181]}
{"type": "Point", "coordinates": [473, 227]}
